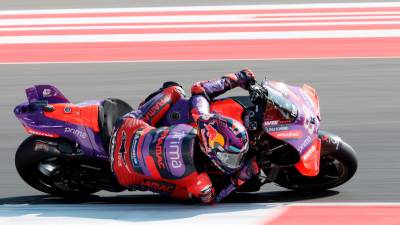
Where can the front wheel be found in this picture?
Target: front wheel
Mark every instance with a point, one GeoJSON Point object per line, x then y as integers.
{"type": "Point", "coordinates": [40, 168]}
{"type": "Point", "coordinates": [338, 165]}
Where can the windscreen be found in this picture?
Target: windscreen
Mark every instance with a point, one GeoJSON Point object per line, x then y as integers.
{"type": "Point", "coordinates": [287, 109]}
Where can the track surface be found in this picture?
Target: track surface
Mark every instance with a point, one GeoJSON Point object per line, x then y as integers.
{"type": "Point", "coordinates": [359, 101]}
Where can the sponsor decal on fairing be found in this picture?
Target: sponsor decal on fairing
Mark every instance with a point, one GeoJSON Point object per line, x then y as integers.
{"type": "Point", "coordinates": [75, 132]}
{"type": "Point", "coordinates": [289, 134]}
{"type": "Point", "coordinates": [305, 143]}
{"type": "Point", "coordinates": [158, 186]}
{"type": "Point", "coordinates": [276, 129]}
{"type": "Point", "coordinates": [309, 120]}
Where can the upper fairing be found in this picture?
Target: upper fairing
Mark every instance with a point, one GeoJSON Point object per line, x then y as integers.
{"type": "Point", "coordinates": [302, 131]}
{"type": "Point", "coordinates": [304, 128]}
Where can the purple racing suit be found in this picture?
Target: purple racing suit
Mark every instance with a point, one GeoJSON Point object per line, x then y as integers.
{"type": "Point", "coordinates": [143, 157]}
{"type": "Point", "coordinates": [205, 91]}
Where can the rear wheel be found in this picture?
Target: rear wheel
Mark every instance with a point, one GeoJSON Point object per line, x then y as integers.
{"type": "Point", "coordinates": [42, 170]}
{"type": "Point", "coordinates": [336, 168]}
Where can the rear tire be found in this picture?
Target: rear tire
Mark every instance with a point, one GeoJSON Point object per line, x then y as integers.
{"type": "Point", "coordinates": [27, 161]}
{"type": "Point", "coordinates": [336, 168]}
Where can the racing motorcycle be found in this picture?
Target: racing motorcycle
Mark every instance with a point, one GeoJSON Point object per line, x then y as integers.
{"type": "Point", "coordinates": [67, 152]}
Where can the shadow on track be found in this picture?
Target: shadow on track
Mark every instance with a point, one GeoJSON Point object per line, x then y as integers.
{"type": "Point", "coordinates": [262, 197]}
{"type": "Point", "coordinates": [144, 208]}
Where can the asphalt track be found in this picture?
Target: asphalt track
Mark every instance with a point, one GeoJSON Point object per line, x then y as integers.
{"type": "Point", "coordinates": [359, 102]}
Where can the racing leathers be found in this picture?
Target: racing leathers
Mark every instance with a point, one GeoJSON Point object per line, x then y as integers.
{"type": "Point", "coordinates": [161, 159]}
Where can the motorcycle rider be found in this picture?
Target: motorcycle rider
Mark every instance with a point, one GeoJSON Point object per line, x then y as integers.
{"type": "Point", "coordinates": [162, 159]}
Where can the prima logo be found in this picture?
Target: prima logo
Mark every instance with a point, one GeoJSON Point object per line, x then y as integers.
{"type": "Point", "coordinates": [76, 132]}
{"type": "Point", "coordinates": [175, 149]}
{"type": "Point", "coordinates": [174, 145]}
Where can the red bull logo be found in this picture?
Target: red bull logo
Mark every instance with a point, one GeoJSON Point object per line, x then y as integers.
{"type": "Point", "coordinates": [214, 137]}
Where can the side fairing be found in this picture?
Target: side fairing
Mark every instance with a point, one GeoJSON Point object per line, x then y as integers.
{"type": "Point", "coordinates": [300, 132]}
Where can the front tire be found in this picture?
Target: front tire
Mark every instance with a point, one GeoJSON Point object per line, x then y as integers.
{"type": "Point", "coordinates": [35, 166]}
{"type": "Point", "coordinates": [337, 166]}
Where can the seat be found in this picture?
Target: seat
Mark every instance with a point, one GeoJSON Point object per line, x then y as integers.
{"type": "Point", "coordinates": [109, 111]}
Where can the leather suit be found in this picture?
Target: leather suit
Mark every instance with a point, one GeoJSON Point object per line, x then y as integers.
{"type": "Point", "coordinates": [160, 159]}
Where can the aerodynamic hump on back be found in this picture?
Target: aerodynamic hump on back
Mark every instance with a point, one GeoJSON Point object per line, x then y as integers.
{"type": "Point", "coordinates": [45, 92]}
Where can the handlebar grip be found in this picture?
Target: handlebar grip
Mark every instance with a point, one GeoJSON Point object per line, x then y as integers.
{"type": "Point", "coordinates": [254, 96]}
{"type": "Point", "coordinates": [252, 82]}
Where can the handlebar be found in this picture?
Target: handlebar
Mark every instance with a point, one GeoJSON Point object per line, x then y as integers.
{"type": "Point", "coordinates": [260, 97]}
{"type": "Point", "coordinates": [258, 94]}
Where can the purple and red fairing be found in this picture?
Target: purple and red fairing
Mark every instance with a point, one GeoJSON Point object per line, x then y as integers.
{"type": "Point", "coordinates": [300, 129]}
{"type": "Point", "coordinates": [49, 113]}
{"type": "Point", "coordinates": [297, 125]}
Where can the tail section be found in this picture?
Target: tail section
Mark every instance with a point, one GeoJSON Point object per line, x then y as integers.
{"type": "Point", "coordinates": [45, 93]}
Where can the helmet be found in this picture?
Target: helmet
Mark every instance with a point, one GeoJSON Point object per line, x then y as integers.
{"type": "Point", "coordinates": [224, 140]}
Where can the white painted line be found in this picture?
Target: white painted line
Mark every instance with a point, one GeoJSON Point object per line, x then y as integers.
{"type": "Point", "coordinates": [118, 27]}
{"type": "Point", "coordinates": [174, 19]}
{"type": "Point", "coordinates": [345, 204]}
{"type": "Point", "coordinates": [126, 19]}
{"type": "Point", "coordinates": [267, 14]}
{"type": "Point", "coordinates": [194, 60]}
{"type": "Point", "coordinates": [154, 214]}
{"type": "Point", "coordinates": [221, 214]}
{"type": "Point", "coordinates": [332, 13]}
{"type": "Point", "coordinates": [197, 36]}
{"type": "Point", "coordinates": [205, 8]}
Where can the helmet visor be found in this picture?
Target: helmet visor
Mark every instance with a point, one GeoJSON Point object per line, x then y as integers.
{"type": "Point", "coordinates": [230, 160]}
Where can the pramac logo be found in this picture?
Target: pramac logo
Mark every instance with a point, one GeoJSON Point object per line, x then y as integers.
{"type": "Point", "coordinates": [159, 149]}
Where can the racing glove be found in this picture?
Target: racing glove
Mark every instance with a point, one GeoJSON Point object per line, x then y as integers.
{"type": "Point", "coordinates": [243, 78]}
{"type": "Point", "coordinates": [249, 170]}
